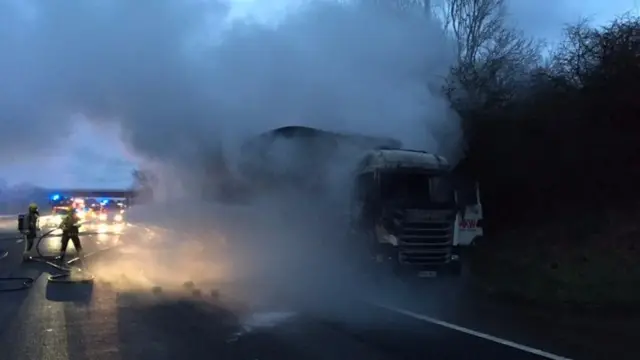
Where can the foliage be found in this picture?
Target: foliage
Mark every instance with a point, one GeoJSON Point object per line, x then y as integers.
{"type": "Point", "coordinates": [565, 141]}
{"type": "Point", "coordinates": [555, 149]}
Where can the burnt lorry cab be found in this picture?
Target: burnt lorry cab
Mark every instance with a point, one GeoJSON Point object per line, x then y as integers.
{"type": "Point", "coordinates": [403, 208]}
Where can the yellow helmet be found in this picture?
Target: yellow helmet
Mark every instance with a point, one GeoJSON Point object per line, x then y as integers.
{"type": "Point", "coordinates": [33, 206]}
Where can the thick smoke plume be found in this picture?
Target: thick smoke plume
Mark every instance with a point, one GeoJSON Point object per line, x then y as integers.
{"type": "Point", "coordinates": [182, 78]}
{"type": "Point", "coordinates": [181, 75]}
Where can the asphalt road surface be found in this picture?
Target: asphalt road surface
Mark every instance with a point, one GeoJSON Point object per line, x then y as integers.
{"type": "Point", "coordinates": [120, 317]}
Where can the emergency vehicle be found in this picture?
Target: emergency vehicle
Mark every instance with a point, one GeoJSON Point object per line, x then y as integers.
{"type": "Point", "coordinates": [111, 211]}
{"type": "Point", "coordinates": [57, 214]}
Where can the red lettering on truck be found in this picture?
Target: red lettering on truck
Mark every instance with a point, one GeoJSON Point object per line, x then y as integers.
{"type": "Point", "coordinates": [468, 223]}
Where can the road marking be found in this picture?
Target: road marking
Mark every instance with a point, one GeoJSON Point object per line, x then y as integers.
{"type": "Point", "coordinates": [475, 333]}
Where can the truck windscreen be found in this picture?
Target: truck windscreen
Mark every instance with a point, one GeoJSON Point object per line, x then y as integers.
{"type": "Point", "coordinates": [441, 190]}
{"type": "Point", "coordinates": [412, 188]}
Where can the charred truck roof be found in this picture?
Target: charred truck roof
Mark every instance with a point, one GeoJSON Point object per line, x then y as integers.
{"type": "Point", "coordinates": [301, 153]}
{"type": "Point", "coordinates": [304, 132]}
{"type": "Point", "coordinates": [382, 159]}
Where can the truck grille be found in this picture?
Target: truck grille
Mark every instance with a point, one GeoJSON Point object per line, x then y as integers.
{"type": "Point", "coordinates": [425, 236]}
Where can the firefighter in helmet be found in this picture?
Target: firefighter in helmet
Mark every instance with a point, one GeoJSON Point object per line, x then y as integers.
{"type": "Point", "coordinates": [32, 225]}
{"type": "Point", "coordinates": [70, 226]}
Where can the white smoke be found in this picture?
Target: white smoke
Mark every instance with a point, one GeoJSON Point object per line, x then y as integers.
{"type": "Point", "coordinates": [181, 76]}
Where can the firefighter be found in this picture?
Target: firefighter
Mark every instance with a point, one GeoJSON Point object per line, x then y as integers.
{"type": "Point", "coordinates": [32, 225]}
{"type": "Point", "coordinates": [70, 226]}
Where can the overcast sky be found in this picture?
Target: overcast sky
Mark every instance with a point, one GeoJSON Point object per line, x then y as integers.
{"type": "Point", "coordinates": [545, 18]}
{"type": "Point", "coordinates": [91, 156]}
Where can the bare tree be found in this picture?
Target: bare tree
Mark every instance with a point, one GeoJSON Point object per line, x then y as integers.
{"type": "Point", "coordinates": [576, 56]}
{"type": "Point", "coordinates": [481, 30]}
{"type": "Point", "coordinates": [474, 24]}
{"type": "Point", "coordinates": [491, 54]}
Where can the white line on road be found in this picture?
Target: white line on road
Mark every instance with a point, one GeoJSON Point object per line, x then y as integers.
{"type": "Point", "coordinates": [473, 333]}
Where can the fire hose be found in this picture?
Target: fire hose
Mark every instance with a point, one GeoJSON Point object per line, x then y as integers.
{"type": "Point", "coordinates": [68, 274]}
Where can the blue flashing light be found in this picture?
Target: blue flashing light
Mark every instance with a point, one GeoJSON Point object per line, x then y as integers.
{"type": "Point", "coordinates": [55, 197]}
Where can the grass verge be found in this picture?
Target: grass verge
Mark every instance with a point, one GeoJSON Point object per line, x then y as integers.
{"type": "Point", "coordinates": [549, 268]}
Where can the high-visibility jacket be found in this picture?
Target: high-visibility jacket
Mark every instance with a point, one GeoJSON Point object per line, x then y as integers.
{"type": "Point", "coordinates": [70, 223]}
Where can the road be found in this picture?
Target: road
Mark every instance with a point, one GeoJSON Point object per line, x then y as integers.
{"type": "Point", "coordinates": [129, 314]}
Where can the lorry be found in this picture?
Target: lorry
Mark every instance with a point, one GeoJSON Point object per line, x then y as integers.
{"type": "Point", "coordinates": [406, 211]}
{"type": "Point", "coordinates": [408, 214]}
